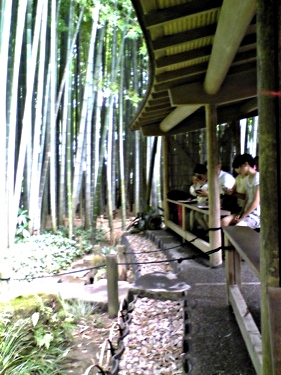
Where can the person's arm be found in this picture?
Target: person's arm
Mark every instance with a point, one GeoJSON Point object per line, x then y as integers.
{"type": "Point", "coordinates": [203, 193]}
{"type": "Point", "coordinates": [252, 206]}
{"type": "Point", "coordinates": [239, 195]}
{"type": "Point", "coordinates": [192, 190]}
{"type": "Point", "coordinates": [231, 191]}
{"type": "Point", "coordinates": [234, 192]}
{"type": "Point", "coordinates": [193, 187]}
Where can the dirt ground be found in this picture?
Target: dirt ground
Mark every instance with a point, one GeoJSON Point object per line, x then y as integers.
{"type": "Point", "coordinates": [90, 334]}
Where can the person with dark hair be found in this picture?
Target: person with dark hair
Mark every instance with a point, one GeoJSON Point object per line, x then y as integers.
{"type": "Point", "coordinates": [225, 179]}
{"type": "Point", "coordinates": [199, 189]}
{"type": "Point", "coordinates": [250, 212]}
{"type": "Point", "coordinates": [199, 183]}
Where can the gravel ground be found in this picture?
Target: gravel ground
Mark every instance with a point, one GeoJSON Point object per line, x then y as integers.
{"type": "Point", "coordinates": [154, 344]}
{"type": "Point", "coordinates": [194, 333]}
{"type": "Point", "coordinates": [206, 337]}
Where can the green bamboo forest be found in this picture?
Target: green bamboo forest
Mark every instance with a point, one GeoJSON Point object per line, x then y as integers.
{"type": "Point", "coordinates": [74, 73]}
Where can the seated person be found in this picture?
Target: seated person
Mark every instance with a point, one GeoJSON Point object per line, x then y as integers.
{"type": "Point", "coordinates": [250, 212]}
{"type": "Point", "coordinates": [226, 181]}
{"type": "Point", "coordinates": [199, 184]}
{"type": "Point", "coordinates": [199, 189]}
{"type": "Point", "coordinates": [238, 192]}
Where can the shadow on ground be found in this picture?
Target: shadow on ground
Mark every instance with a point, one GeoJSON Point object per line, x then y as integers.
{"type": "Point", "coordinates": [214, 343]}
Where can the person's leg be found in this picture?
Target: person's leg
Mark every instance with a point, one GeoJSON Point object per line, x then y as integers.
{"type": "Point", "coordinates": [250, 221]}
{"type": "Point", "coordinates": [227, 220]}
{"type": "Point", "coordinates": [199, 218]}
{"type": "Point", "coordinates": [242, 223]}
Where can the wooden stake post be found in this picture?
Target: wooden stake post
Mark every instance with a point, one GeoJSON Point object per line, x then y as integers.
{"type": "Point", "coordinates": [112, 285]}
{"type": "Point", "coordinates": [122, 268]}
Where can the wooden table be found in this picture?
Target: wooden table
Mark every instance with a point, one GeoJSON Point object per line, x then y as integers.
{"type": "Point", "coordinates": [184, 231]}
{"type": "Point", "coordinates": [197, 207]}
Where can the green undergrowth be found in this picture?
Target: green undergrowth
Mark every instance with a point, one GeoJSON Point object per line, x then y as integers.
{"type": "Point", "coordinates": [36, 330]}
{"type": "Point", "coordinates": [36, 334]}
{"type": "Point", "coordinates": [47, 253]}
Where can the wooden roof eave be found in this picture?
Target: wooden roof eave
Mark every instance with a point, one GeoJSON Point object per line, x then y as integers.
{"type": "Point", "coordinates": [182, 98]}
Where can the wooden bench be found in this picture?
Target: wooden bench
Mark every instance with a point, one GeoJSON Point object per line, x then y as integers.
{"type": "Point", "coordinates": [246, 245]}
{"type": "Point", "coordinates": [183, 228]}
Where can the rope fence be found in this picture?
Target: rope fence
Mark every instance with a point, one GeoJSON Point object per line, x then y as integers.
{"type": "Point", "coordinates": [178, 260]}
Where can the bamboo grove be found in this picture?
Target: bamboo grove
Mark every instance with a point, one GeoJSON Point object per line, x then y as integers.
{"type": "Point", "coordinates": [72, 75]}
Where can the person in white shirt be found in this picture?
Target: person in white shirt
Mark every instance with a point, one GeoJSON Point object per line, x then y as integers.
{"type": "Point", "coordinates": [238, 192]}
{"type": "Point", "coordinates": [199, 189]}
{"type": "Point", "coordinates": [250, 212]}
{"type": "Point", "coordinates": [199, 183]}
{"type": "Point", "coordinates": [226, 180]}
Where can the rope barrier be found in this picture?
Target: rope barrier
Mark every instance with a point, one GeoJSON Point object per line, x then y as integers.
{"type": "Point", "coordinates": [179, 260]}
{"type": "Point", "coordinates": [213, 229]}
{"type": "Point", "coordinates": [153, 251]}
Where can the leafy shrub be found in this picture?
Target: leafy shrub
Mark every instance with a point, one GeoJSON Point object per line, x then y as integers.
{"type": "Point", "coordinates": [35, 345]}
{"type": "Point", "coordinates": [22, 224]}
{"type": "Point", "coordinates": [43, 255]}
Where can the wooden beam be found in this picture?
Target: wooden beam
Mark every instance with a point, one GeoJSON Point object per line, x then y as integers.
{"type": "Point", "coordinates": [236, 87]}
{"type": "Point", "coordinates": [165, 86]}
{"type": "Point", "coordinates": [235, 15]}
{"type": "Point", "coordinates": [179, 74]}
{"type": "Point", "coordinates": [167, 41]}
{"type": "Point", "coordinates": [156, 108]}
{"type": "Point", "coordinates": [250, 106]}
{"type": "Point", "coordinates": [158, 95]}
{"type": "Point", "coordinates": [243, 57]}
{"type": "Point", "coordinates": [159, 112]}
{"type": "Point", "coordinates": [182, 57]}
{"type": "Point", "coordinates": [156, 102]}
{"type": "Point", "coordinates": [248, 41]}
{"type": "Point", "coordinates": [197, 121]}
{"type": "Point", "coordinates": [176, 116]}
{"type": "Point", "coordinates": [161, 16]}
{"type": "Point", "coordinates": [152, 130]}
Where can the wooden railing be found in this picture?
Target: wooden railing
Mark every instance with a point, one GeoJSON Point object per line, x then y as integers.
{"type": "Point", "coordinates": [183, 225]}
{"type": "Point", "coordinates": [245, 244]}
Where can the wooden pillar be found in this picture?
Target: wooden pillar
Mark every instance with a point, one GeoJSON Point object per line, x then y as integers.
{"type": "Point", "coordinates": [165, 178]}
{"type": "Point", "coordinates": [213, 185]}
{"type": "Point", "coordinates": [269, 108]}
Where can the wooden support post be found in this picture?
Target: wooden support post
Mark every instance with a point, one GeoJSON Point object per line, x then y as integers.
{"type": "Point", "coordinates": [213, 185]}
{"type": "Point", "coordinates": [121, 258]}
{"type": "Point", "coordinates": [165, 179]}
{"type": "Point", "coordinates": [112, 285]}
{"type": "Point", "coordinates": [269, 108]}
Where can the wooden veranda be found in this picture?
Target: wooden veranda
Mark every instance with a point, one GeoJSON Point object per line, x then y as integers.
{"type": "Point", "coordinates": [217, 61]}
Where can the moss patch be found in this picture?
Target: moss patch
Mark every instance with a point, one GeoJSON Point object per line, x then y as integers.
{"type": "Point", "coordinates": [24, 306]}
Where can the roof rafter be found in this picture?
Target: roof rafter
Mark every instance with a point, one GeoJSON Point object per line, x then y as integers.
{"type": "Point", "coordinates": [170, 14]}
